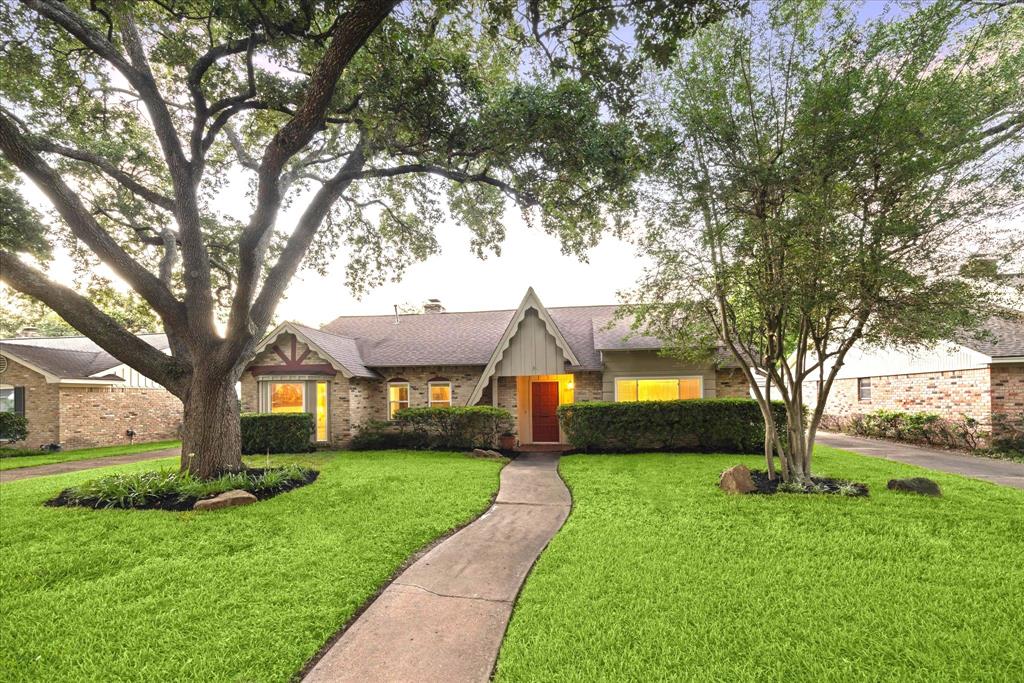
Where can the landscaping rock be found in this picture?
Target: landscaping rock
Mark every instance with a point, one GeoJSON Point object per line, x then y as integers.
{"type": "Point", "coordinates": [737, 480]}
{"type": "Point", "coordinates": [225, 500]}
{"type": "Point", "coordinates": [919, 485]}
{"type": "Point", "coordinates": [481, 453]}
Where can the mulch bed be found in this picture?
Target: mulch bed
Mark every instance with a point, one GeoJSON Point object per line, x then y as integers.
{"type": "Point", "coordinates": [174, 503]}
{"type": "Point", "coordinates": [824, 485]}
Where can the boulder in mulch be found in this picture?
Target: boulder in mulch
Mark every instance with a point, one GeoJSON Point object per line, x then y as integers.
{"type": "Point", "coordinates": [919, 485]}
{"type": "Point", "coordinates": [737, 480]}
{"type": "Point", "coordinates": [481, 453]}
{"type": "Point", "coordinates": [225, 500]}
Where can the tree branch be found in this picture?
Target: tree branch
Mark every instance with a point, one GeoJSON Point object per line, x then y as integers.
{"type": "Point", "coordinates": [82, 223]}
{"type": "Point", "coordinates": [104, 165]}
{"type": "Point", "coordinates": [85, 317]}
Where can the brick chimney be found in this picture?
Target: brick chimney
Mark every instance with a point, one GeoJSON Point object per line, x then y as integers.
{"type": "Point", "coordinates": [433, 306]}
{"type": "Point", "coordinates": [29, 331]}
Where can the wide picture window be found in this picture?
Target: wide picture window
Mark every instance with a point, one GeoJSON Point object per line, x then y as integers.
{"type": "Point", "coordinates": [657, 389]}
{"type": "Point", "coordinates": [287, 397]}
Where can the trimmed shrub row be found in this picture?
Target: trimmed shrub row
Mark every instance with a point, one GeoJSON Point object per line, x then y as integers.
{"type": "Point", "coordinates": [277, 432]}
{"type": "Point", "coordinates": [930, 429]}
{"type": "Point", "coordinates": [720, 425]}
{"type": "Point", "coordinates": [453, 428]}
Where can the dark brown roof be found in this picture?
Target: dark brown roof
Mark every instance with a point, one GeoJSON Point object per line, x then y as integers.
{"type": "Point", "coordinates": [70, 357]}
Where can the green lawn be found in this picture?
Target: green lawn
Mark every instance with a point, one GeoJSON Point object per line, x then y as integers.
{"type": "Point", "coordinates": [12, 463]}
{"type": "Point", "coordinates": [659, 576]}
{"type": "Point", "coordinates": [243, 594]}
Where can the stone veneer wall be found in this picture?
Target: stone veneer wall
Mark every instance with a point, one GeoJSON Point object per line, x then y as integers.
{"type": "Point", "coordinates": [101, 416]}
{"type": "Point", "coordinates": [41, 404]}
{"type": "Point", "coordinates": [1008, 392]}
{"type": "Point", "coordinates": [732, 383]}
{"type": "Point", "coordinates": [588, 386]}
{"type": "Point", "coordinates": [950, 393]}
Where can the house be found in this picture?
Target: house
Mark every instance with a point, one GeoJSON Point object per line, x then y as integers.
{"type": "Point", "coordinates": [981, 377]}
{"type": "Point", "coordinates": [529, 360]}
{"type": "Point", "coordinates": [77, 395]}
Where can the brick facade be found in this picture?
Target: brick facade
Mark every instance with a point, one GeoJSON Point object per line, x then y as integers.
{"type": "Point", "coordinates": [101, 416]}
{"type": "Point", "coordinates": [951, 394]}
{"type": "Point", "coordinates": [79, 416]}
{"type": "Point", "coordinates": [731, 383]}
{"type": "Point", "coordinates": [1008, 392]}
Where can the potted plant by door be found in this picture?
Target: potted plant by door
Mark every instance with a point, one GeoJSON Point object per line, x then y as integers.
{"type": "Point", "coordinates": [507, 441]}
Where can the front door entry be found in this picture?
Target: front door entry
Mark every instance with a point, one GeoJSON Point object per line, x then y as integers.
{"type": "Point", "coordinates": [545, 412]}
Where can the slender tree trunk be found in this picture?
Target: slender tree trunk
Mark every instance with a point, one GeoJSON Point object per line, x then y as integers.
{"type": "Point", "coordinates": [211, 442]}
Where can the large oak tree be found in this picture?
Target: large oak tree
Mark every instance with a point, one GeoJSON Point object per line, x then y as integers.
{"type": "Point", "coordinates": [376, 116]}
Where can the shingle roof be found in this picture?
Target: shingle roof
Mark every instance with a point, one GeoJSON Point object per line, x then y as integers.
{"type": "Point", "coordinates": [70, 357]}
{"type": "Point", "coordinates": [1005, 337]}
{"type": "Point", "coordinates": [465, 338]}
{"type": "Point", "coordinates": [342, 349]}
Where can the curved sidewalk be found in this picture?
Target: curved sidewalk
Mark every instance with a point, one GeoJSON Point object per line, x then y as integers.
{"type": "Point", "coordinates": [77, 465]}
{"type": "Point", "coordinates": [1004, 472]}
{"type": "Point", "coordinates": [443, 618]}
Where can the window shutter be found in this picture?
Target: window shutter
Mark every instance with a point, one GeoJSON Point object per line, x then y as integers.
{"type": "Point", "coordinates": [19, 400]}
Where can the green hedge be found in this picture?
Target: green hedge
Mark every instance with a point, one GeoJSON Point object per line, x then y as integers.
{"type": "Point", "coordinates": [454, 428]}
{"type": "Point", "coordinates": [277, 432]}
{"type": "Point", "coordinates": [719, 425]}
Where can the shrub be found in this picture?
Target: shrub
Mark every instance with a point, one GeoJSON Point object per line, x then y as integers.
{"type": "Point", "coordinates": [453, 428]}
{"type": "Point", "coordinates": [277, 432]}
{"type": "Point", "coordinates": [930, 429]}
{"type": "Point", "coordinates": [724, 425]}
{"type": "Point", "coordinates": [13, 427]}
{"type": "Point", "coordinates": [175, 490]}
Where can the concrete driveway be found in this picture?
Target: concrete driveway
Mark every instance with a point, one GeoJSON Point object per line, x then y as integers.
{"type": "Point", "coordinates": [1004, 472]}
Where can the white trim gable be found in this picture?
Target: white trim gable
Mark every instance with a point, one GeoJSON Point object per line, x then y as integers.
{"type": "Point", "coordinates": [530, 301]}
{"type": "Point", "coordinates": [288, 328]}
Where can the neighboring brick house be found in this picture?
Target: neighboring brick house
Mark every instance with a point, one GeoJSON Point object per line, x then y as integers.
{"type": "Point", "coordinates": [980, 377]}
{"type": "Point", "coordinates": [529, 360]}
{"type": "Point", "coordinates": [77, 395]}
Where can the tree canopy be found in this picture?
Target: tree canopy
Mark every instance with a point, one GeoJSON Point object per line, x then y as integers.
{"type": "Point", "coordinates": [824, 182]}
{"type": "Point", "coordinates": [377, 117]}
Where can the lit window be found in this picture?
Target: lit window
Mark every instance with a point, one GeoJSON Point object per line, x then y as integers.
{"type": "Point", "coordinates": [440, 394]}
{"type": "Point", "coordinates": [321, 411]}
{"type": "Point", "coordinates": [864, 388]}
{"type": "Point", "coordinates": [398, 397]}
{"type": "Point", "coordinates": [657, 389]}
{"type": "Point", "coordinates": [6, 399]}
{"type": "Point", "coordinates": [287, 397]}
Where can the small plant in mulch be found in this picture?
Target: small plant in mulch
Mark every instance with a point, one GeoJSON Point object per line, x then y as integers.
{"type": "Point", "coordinates": [174, 490]}
{"type": "Point", "coordinates": [827, 485]}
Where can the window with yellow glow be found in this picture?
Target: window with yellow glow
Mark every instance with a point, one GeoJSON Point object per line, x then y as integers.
{"type": "Point", "coordinates": [657, 389]}
{"type": "Point", "coordinates": [398, 398]}
{"type": "Point", "coordinates": [440, 394]}
{"type": "Point", "coordinates": [287, 397]}
{"type": "Point", "coordinates": [321, 411]}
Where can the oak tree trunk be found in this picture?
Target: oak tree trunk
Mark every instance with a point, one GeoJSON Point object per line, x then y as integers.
{"type": "Point", "coordinates": [211, 442]}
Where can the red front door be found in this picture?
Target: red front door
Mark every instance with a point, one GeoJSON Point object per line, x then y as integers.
{"type": "Point", "coordinates": [545, 412]}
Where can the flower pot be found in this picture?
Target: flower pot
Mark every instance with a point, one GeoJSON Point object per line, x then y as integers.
{"type": "Point", "coordinates": [507, 442]}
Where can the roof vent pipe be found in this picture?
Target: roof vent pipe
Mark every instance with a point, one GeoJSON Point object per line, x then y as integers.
{"type": "Point", "coordinates": [396, 314]}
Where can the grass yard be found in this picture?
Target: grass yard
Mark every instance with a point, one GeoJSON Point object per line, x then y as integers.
{"type": "Point", "coordinates": [659, 576]}
{"type": "Point", "coordinates": [16, 462]}
{"type": "Point", "coordinates": [242, 594]}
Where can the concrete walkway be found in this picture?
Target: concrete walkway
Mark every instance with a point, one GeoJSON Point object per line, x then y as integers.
{"type": "Point", "coordinates": [76, 465]}
{"type": "Point", "coordinates": [443, 618]}
{"type": "Point", "coordinates": [1003, 472]}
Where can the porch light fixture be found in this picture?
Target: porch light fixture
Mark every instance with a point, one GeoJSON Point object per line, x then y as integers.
{"type": "Point", "coordinates": [570, 384]}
